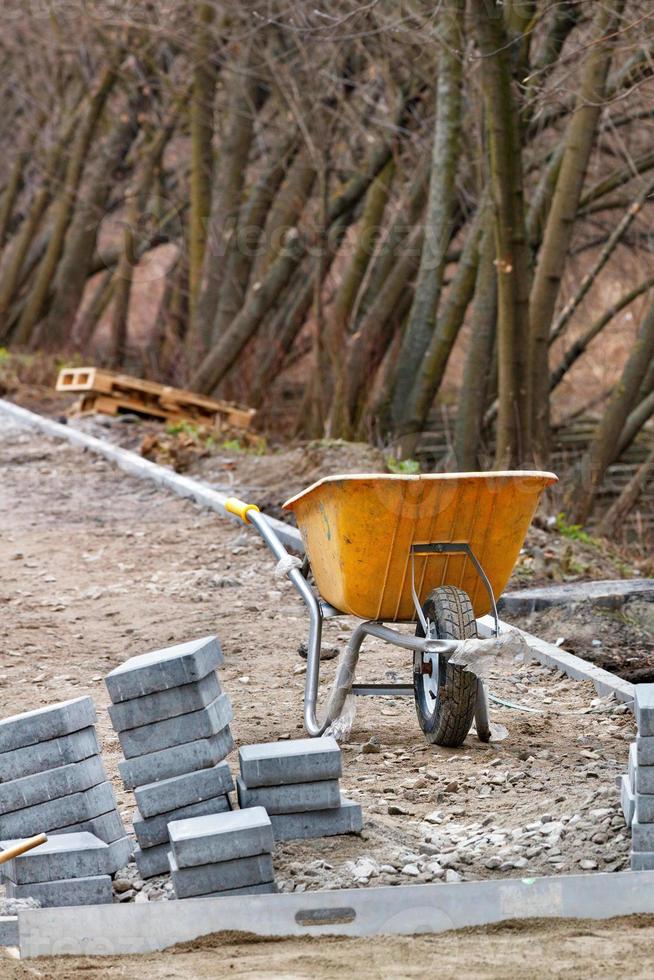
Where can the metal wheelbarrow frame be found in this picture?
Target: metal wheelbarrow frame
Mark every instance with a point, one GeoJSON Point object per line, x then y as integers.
{"type": "Point", "coordinates": [426, 649]}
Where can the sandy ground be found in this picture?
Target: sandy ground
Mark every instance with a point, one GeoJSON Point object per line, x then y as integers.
{"type": "Point", "coordinates": [98, 567]}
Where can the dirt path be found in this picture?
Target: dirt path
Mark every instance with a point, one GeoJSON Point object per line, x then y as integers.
{"type": "Point", "coordinates": [98, 567]}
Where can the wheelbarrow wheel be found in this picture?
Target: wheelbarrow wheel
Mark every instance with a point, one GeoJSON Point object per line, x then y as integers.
{"type": "Point", "coordinates": [446, 704]}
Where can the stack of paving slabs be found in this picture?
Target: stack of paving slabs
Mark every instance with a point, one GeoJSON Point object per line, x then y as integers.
{"type": "Point", "coordinates": [222, 854]}
{"type": "Point", "coordinates": [638, 785]}
{"type": "Point", "coordinates": [298, 784]}
{"type": "Point", "coordinates": [52, 779]}
{"type": "Point", "coordinates": [69, 869]}
{"type": "Point", "coordinates": [172, 720]}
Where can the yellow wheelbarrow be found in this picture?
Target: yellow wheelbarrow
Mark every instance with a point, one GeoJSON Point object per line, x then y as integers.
{"type": "Point", "coordinates": [434, 550]}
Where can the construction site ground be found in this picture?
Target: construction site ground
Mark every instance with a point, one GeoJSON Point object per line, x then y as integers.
{"type": "Point", "coordinates": [98, 567]}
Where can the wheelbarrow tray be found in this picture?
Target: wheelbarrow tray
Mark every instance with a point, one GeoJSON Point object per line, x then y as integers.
{"type": "Point", "coordinates": [359, 531]}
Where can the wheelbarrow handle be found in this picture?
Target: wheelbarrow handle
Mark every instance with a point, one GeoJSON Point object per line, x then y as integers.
{"type": "Point", "coordinates": [25, 845]}
{"type": "Point", "coordinates": [239, 508]}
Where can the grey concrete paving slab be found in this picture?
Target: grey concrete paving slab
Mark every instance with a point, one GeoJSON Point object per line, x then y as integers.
{"type": "Point", "coordinates": [399, 910]}
{"type": "Point", "coordinates": [347, 819]}
{"type": "Point", "coordinates": [46, 723]}
{"type": "Point", "coordinates": [644, 708]}
{"type": "Point", "coordinates": [642, 836]}
{"type": "Point", "coordinates": [201, 754]}
{"type": "Point", "coordinates": [163, 669]}
{"type": "Point", "coordinates": [221, 837]}
{"type": "Point", "coordinates": [108, 827]}
{"type": "Point", "coordinates": [643, 808]}
{"type": "Point", "coordinates": [294, 798]}
{"type": "Point", "coordinates": [49, 785]}
{"type": "Point", "coordinates": [152, 861]}
{"type": "Point", "coordinates": [645, 750]}
{"type": "Point", "coordinates": [645, 780]}
{"type": "Point", "coordinates": [210, 878]}
{"type": "Point", "coordinates": [8, 930]}
{"type": "Point", "coordinates": [54, 814]}
{"type": "Point", "coordinates": [192, 787]}
{"type": "Point", "coordinates": [94, 890]}
{"type": "Point", "coordinates": [298, 760]}
{"type": "Point", "coordinates": [78, 855]}
{"type": "Point", "coordinates": [265, 888]}
{"type": "Point", "coordinates": [642, 860]}
{"type": "Point", "coordinates": [165, 704]}
{"type": "Point", "coordinates": [154, 830]}
{"type": "Point", "coordinates": [204, 723]}
{"type": "Point", "coordinates": [55, 752]}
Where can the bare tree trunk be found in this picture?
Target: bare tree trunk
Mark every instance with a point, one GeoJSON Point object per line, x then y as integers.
{"type": "Point", "coordinates": [35, 305]}
{"type": "Point", "coordinates": [134, 206]}
{"type": "Point", "coordinates": [12, 271]}
{"type": "Point", "coordinates": [450, 320]}
{"type": "Point", "coordinates": [205, 74]}
{"type": "Point", "coordinates": [87, 325]}
{"type": "Point", "coordinates": [338, 323]}
{"type": "Point", "coordinates": [579, 139]}
{"type": "Point", "coordinates": [439, 219]}
{"type": "Point", "coordinates": [474, 385]}
{"type": "Point", "coordinates": [228, 181]}
{"type": "Point", "coordinates": [603, 447]}
{"type": "Point", "coordinates": [581, 344]}
{"type": "Point", "coordinates": [73, 270]}
{"type": "Point", "coordinates": [512, 257]}
{"type": "Point", "coordinates": [285, 212]}
{"type": "Point", "coordinates": [250, 231]}
{"type": "Point", "coordinates": [620, 510]}
{"type": "Point", "coordinates": [373, 335]}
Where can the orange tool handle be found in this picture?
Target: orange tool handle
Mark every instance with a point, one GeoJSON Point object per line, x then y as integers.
{"type": "Point", "coordinates": [239, 508]}
{"type": "Point", "coordinates": [18, 849]}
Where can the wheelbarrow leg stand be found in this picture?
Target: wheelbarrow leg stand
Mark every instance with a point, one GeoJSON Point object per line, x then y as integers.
{"type": "Point", "coordinates": [482, 719]}
{"type": "Point", "coordinates": [305, 592]}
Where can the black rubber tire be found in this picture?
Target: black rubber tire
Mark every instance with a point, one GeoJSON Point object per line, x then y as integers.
{"type": "Point", "coordinates": [446, 720]}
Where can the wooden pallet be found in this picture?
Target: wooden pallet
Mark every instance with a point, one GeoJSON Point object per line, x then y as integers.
{"type": "Point", "coordinates": [111, 394]}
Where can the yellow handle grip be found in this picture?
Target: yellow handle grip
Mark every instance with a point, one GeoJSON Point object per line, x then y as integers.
{"type": "Point", "coordinates": [239, 508]}
{"type": "Point", "coordinates": [18, 849]}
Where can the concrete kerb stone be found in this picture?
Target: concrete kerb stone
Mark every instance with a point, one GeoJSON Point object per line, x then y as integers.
{"type": "Point", "coordinates": [221, 837]}
{"type": "Point", "coordinates": [176, 761]}
{"type": "Point", "coordinates": [207, 878]}
{"type": "Point", "coordinates": [54, 814]}
{"type": "Point", "coordinates": [632, 767]}
{"type": "Point", "coordinates": [95, 890]}
{"type": "Point", "coordinates": [299, 760]}
{"type": "Point", "coordinates": [163, 669]}
{"type": "Point", "coordinates": [204, 723]}
{"type": "Point", "coordinates": [346, 819]}
{"type": "Point", "coordinates": [642, 860]}
{"type": "Point", "coordinates": [154, 830]}
{"type": "Point", "coordinates": [609, 594]}
{"type": "Point", "coordinates": [46, 723]}
{"type": "Point", "coordinates": [41, 757]}
{"type": "Point", "coordinates": [643, 807]}
{"type": "Point", "coordinates": [604, 681]}
{"type": "Point", "coordinates": [179, 791]}
{"type": "Point", "coordinates": [391, 910]}
{"type": "Point", "coordinates": [165, 704]}
{"type": "Point", "coordinates": [43, 786]}
{"type": "Point", "coordinates": [295, 798]}
{"type": "Point", "coordinates": [645, 750]}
